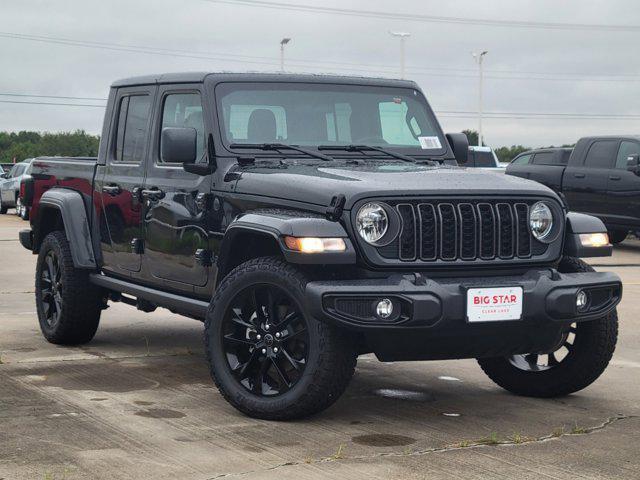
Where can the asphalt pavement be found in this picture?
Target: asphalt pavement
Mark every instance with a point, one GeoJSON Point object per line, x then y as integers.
{"type": "Point", "coordinates": [138, 402]}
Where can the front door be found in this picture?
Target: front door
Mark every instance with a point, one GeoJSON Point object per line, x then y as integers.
{"type": "Point", "coordinates": [177, 251]}
{"type": "Point", "coordinates": [585, 186]}
{"type": "Point", "coordinates": [120, 181]}
{"type": "Point", "coordinates": [623, 206]}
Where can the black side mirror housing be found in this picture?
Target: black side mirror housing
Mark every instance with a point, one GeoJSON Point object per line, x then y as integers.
{"type": "Point", "coordinates": [178, 145]}
{"type": "Point", "coordinates": [460, 146]}
{"type": "Point", "coordinates": [4, 175]}
{"type": "Point", "coordinates": [633, 163]}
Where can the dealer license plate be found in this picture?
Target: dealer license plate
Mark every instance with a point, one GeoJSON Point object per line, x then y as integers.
{"type": "Point", "coordinates": [494, 304]}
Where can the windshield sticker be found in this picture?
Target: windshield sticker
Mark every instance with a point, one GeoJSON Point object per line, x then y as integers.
{"type": "Point", "coordinates": [429, 142]}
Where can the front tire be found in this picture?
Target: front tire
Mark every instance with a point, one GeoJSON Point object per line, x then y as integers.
{"type": "Point", "coordinates": [268, 357]}
{"type": "Point", "coordinates": [68, 305]}
{"type": "Point", "coordinates": [584, 353]}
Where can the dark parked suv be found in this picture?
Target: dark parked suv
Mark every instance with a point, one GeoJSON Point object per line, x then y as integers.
{"type": "Point", "coordinates": [599, 177]}
{"type": "Point", "coordinates": [308, 220]}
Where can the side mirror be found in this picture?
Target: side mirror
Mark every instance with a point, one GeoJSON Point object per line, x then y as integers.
{"type": "Point", "coordinates": [460, 146]}
{"type": "Point", "coordinates": [5, 175]}
{"type": "Point", "coordinates": [178, 145]}
{"type": "Point", "coordinates": [633, 163]}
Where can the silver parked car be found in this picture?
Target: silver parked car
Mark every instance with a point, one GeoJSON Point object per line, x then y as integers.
{"type": "Point", "coordinates": [10, 186]}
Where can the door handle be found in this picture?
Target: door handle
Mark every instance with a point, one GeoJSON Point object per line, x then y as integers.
{"type": "Point", "coordinates": [578, 175]}
{"type": "Point", "coordinates": [614, 177]}
{"type": "Point", "coordinates": [111, 189]}
{"type": "Point", "coordinates": [152, 193]}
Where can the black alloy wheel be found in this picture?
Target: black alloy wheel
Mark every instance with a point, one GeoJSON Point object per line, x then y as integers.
{"type": "Point", "coordinates": [51, 289]}
{"type": "Point", "coordinates": [265, 340]}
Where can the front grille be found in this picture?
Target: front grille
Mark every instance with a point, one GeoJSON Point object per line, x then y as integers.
{"type": "Point", "coordinates": [462, 230]}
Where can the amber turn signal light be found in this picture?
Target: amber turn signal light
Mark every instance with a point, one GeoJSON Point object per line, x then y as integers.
{"type": "Point", "coordinates": [315, 244]}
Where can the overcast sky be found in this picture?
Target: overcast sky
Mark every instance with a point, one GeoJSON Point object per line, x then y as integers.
{"type": "Point", "coordinates": [548, 70]}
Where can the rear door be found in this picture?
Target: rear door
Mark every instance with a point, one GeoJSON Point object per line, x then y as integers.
{"type": "Point", "coordinates": [120, 182]}
{"type": "Point", "coordinates": [547, 169]}
{"type": "Point", "coordinates": [623, 205]}
{"type": "Point", "coordinates": [177, 252]}
{"type": "Point", "coordinates": [585, 184]}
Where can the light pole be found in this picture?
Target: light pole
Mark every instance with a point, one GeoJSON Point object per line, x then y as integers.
{"type": "Point", "coordinates": [403, 36]}
{"type": "Point", "coordinates": [283, 42]}
{"type": "Point", "coordinates": [479, 57]}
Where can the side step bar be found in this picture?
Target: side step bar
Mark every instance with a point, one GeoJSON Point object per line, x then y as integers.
{"type": "Point", "coordinates": [175, 303]}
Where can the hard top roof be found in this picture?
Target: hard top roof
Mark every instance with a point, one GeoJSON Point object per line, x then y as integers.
{"type": "Point", "coordinates": [199, 77]}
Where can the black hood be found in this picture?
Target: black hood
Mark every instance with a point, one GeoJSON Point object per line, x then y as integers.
{"type": "Point", "coordinates": [318, 183]}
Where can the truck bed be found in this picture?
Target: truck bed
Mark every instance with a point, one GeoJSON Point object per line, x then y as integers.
{"type": "Point", "coordinates": [75, 173]}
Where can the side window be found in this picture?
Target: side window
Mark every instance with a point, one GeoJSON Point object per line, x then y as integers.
{"type": "Point", "coordinates": [521, 160]}
{"type": "Point", "coordinates": [601, 154]}
{"type": "Point", "coordinates": [132, 128]}
{"type": "Point", "coordinates": [544, 158]}
{"type": "Point", "coordinates": [185, 110]}
{"type": "Point", "coordinates": [564, 157]}
{"type": "Point", "coordinates": [485, 159]}
{"type": "Point", "coordinates": [626, 149]}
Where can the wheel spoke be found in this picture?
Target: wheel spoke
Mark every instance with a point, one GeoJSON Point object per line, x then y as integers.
{"type": "Point", "coordinates": [297, 364]}
{"type": "Point", "coordinates": [287, 320]}
{"type": "Point", "coordinates": [293, 335]}
{"type": "Point", "coordinates": [553, 361]}
{"type": "Point", "coordinates": [282, 374]}
{"type": "Point", "coordinates": [231, 338]}
{"type": "Point", "coordinates": [241, 322]}
{"type": "Point", "coordinates": [258, 379]}
{"type": "Point", "coordinates": [532, 359]}
{"type": "Point", "coordinates": [51, 268]}
{"type": "Point", "coordinates": [568, 346]}
{"type": "Point", "coordinates": [240, 371]}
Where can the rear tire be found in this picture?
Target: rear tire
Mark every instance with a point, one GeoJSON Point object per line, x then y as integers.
{"type": "Point", "coordinates": [617, 236]}
{"type": "Point", "coordinates": [268, 357]}
{"type": "Point", "coordinates": [590, 346]}
{"type": "Point", "coordinates": [68, 305]}
{"type": "Point", "coordinates": [3, 208]}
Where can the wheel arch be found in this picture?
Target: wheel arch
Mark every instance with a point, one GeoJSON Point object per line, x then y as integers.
{"type": "Point", "coordinates": [260, 234]}
{"type": "Point", "coordinates": [64, 209]}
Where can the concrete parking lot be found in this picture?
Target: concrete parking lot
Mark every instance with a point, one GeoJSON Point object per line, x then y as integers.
{"type": "Point", "coordinates": [138, 403]}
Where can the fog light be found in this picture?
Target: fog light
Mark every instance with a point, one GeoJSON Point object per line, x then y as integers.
{"type": "Point", "coordinates": [582, 301]}
{"type": "Point", "coordinates": [384, 309]}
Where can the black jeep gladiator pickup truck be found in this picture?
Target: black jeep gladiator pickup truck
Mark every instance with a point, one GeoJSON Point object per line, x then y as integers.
{"type": "Point", "coordinates": [308, 220]}
{"type": "Point", "coordinates": [600, 177]}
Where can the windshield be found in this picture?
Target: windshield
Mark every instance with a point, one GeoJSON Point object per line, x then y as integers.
{"type": "Point", "coordinates": [307, 114]}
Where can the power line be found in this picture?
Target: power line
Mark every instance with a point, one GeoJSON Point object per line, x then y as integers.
{"type": "Point", "coordinates": [50, 96]}
{"type": "Point", "coordinates": [53, 103]}
{"type": "Point", "coordinates": [246, 59]}
{"type": "Point", "coordinates": [427, 18]}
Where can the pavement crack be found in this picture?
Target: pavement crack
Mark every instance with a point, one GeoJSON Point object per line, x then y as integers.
{"type": "Point", "coordinates": [481, 443]}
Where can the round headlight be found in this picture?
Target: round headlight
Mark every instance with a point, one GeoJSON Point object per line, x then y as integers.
{"type": "Point", "coordinates": [372, 222]}
{"type": "Point", "coordinates": [540, 221]}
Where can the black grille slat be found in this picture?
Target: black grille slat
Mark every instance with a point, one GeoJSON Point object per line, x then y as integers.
{"type": "Point", "coordinates": [487, 223]}
{"type": "Point", "coordinates": [428, 231]}
{"type": "Point", "coordinates": [467, 231]}
{"type": "Point", "coordinates": [408, 242]}
{"type": "Point", "coordinates": [448, 231]}
{"type": "Point", "coordinates": [522, 226]}
{"type": "Point", "coordinates": [506, 232]}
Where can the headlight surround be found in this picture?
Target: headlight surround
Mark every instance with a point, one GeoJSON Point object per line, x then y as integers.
{"type": "Point", "coordinates": [372, 222]}
{"type": "Point", "coordinates": [541, 221]}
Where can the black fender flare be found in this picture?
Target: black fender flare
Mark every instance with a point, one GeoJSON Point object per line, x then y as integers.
{"type": "Point", "coordinates": [279, 225]}
{"type": "Point", "coordinates": [579, 223]}
{"type": "Point", "coordinates": [73, 211]}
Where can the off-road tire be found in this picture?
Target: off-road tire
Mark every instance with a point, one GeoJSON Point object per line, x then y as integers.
{"type": "Point", "coordinates": [331, 358]}
{"type": "Point", "coordinates": [594, 345]}
{"type": "Point", "coordinates": [81, 301]}
{"type": "Point", "coordinates": [3, 208]}
{"type": "Point", "coordinates": [617, 236]}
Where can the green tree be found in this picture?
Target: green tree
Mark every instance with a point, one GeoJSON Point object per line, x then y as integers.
{"type": "Point", "coordinates": [21, 145]}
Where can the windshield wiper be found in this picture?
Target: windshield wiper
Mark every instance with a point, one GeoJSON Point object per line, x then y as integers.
{"type": "Point", "coordinates": [368, 148]}
{"type": "Point", "coordinates": [281, 146]}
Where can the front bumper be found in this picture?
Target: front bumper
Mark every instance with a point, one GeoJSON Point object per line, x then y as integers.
{"type": "Point", "coordinates": [430, 318]}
